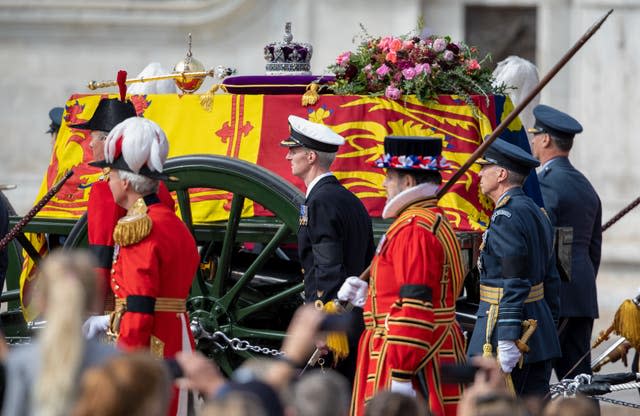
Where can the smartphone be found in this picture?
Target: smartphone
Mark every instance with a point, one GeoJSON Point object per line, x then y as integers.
{"type": "Point", "coordinates": [458, 373]}
{"type": "Point", "coordinates": [175, 371]}
{"type": "Point", "coordinates": [337, 322]}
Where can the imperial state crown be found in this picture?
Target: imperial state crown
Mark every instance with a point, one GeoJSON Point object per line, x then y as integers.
{"type": "Point", "coordinates": [288, 58]}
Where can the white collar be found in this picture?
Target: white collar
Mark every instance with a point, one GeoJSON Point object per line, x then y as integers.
{"type": "Point", "coordinates": [399, 202]}
{"type": "Point", "coordinates": [315, 181]}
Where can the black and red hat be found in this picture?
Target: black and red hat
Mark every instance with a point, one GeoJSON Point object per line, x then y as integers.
{"type": "Point", "coordinates": [412, 153]}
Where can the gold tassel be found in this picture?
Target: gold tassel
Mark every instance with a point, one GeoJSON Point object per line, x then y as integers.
{"type": "Point", "coordinates": [337, 342]}
{"type": "Point", "coordinates": [206, 100]}
{"type": "Point", "coordinates": [492, 317]}
{"type": "Point", "coordinates": [627, 322]}
{"type": "Point", "coordinates": [487, 350]}
{"type": "Point", "coordinates": [310, 97]}
{"type": "Point", "coordinates": [133, 227]}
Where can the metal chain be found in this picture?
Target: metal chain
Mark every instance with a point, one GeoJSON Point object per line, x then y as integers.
{"type": "Point", "coordinates": [238, 344]}
{"type": "Point", "coordinates": [618, 402]}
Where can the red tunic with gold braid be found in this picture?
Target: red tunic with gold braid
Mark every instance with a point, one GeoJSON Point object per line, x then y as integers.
{"type": "Point", "coordinates": [410, 329]}
{"type": "Point", "coordinates": [102, 215]}
{"type": "Point", "coordinates": [154, 276]}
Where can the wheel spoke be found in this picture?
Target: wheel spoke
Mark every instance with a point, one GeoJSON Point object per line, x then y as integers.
{"type": "Point", "coordinates": [185, 207]}
{"type": "Point", "coordinates": [262, 258]}
{"type": "Point", "coordinates": [243, 312]}
{"type": "Point", "coordinates": [228, 243]}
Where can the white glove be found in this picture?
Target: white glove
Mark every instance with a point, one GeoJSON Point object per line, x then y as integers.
{"type": "Point", "coordinates": [403, 387]}
{"type": "Point", "coordinates": [95, 326]}
{"type": "Point", "coordinates": [354, 290]}
{"type": "Point", "coordinates": [508, 355]}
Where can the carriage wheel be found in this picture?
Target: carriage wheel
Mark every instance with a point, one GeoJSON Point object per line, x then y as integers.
{"type": "Point", "coordinates": [245, 295]}
{"type": "Point", "coordinates": [244, 289]}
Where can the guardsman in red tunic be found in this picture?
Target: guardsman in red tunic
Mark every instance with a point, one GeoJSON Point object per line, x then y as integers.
{"type": "Point", "coordinates": [102, 211]}
{"type": "Point", "coordinates": [155, 257]}
{"type": "Point", "coordinates": [416, 277]}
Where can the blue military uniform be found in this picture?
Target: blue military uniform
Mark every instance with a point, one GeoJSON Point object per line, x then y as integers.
{"type": "Point", "coordinates": [518, 277]}
{"type": "Point", "coordinates": [571, 201]}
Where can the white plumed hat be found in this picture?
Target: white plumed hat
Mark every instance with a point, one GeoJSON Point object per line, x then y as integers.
{"type": "Point", "coordinates": [136, 145]}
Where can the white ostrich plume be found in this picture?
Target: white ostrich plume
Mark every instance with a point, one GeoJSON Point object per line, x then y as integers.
{"type": "Point", "coordinates": [143, 143]}
{"type": "Point", "coordinates": [164, 86]}
{"type": "Point", "coordinates": [522, 76]}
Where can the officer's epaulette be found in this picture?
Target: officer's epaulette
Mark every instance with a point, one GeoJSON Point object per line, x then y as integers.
{"type": "Point", "coordinates": [133, 227]}
{"type": "Point", "coordinates": [503, 202]}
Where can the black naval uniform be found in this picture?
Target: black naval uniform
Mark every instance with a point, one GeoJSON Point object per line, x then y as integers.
{"type": "Point", "coordinates": [335, 241]}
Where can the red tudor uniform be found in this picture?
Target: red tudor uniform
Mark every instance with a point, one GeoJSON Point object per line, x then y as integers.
{"type": "Point", "coordinates": [102, 215]}
{"type": "Point", "coordinates": [405, 333]}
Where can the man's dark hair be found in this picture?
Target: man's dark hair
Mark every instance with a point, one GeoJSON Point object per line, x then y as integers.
{"type": "Point", "coordinates": [515, 178]}
{"type": "Point", "coordinates": [423, 176]}
{"type": "Point", "coordinates": [563, 143]}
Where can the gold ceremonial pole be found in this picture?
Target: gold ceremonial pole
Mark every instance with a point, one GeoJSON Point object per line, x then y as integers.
{"type": "Point", "coordinates": [184, 76]}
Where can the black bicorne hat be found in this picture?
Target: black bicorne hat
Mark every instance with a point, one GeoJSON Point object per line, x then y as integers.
{"type": "Point", "coordinates": [109, 113]}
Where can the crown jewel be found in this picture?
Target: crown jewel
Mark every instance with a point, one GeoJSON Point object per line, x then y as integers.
{"type": "Point", "coordinates": [288, 58]}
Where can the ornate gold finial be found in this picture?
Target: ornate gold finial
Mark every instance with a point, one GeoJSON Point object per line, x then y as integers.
{"type": "Point", "coordinates": [189, 84]}
{"type": "Point", "coordinates": [133, 227]}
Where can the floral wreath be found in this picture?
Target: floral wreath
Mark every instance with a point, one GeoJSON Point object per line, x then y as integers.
{"type": "Point", "coordinates": [411, 162]}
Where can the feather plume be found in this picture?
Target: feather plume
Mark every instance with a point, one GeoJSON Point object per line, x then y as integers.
{"type": "Point", "coordinates": [165, 86]}
{"type": "Point", "coordinates": [143, 143]}
{"type": "Point", "coordinates": [521, 76]}
{"type": "Point", "coordinates": [122, 86]}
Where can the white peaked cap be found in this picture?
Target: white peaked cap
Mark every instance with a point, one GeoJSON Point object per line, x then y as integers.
{"type": "Point", "coordinates": [312, 135]}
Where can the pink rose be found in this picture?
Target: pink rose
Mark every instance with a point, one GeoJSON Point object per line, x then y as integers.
{"type": "Point", "coordinates": [472, 64]}
{"type": "Point", "coordinates": [382, 71]}
{"type": "Point", "coordinates": [384, 43]}
{"type": "Point", "coordinates": [392, 92]}
{"type": "Point", "coordinates": [391, 57]}
{"type": "Point", "coordinates": [408, 45]}
{"type": "Point", "coordinates": [395, 45]}
{"type": "Point", "coordinates": [367, 68]}
{"type": "Point", "coordinates": [409, 73]}
{"type": "Point", "coordinates": [439, 45]}
{"type": "Point", "coordinates": [448, 56]}
{"type": "Point", "coordinates": [423, 68]}
{"type": "Point", "coordinates": [343, 58]}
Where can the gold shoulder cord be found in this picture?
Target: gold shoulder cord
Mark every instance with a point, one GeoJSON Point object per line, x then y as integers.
{"type": "Point", "coordinates": [133, 227]}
